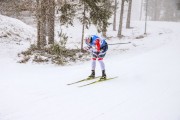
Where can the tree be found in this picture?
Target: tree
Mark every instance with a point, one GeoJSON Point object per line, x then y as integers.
{"type": "Point", "coordinates": [129, 14]}
{"type": "Point", "coordinates": [97, 12]}
{"type": "Point", "coordinates": [41, 20]}
{"type": "Point", "coordinates": [67, 13]}
{"type": "Point", "coordinates": [121, 19]}
{"type": "Point", "coordinates": [85, 22]}
{"type": "Point", "coordinates": [51, 19]}
{"type": "Point", "coordinates": [38, 15]}
{"type": "Point", "coordinates": [114, 20]}
{"type": "Point", "coordinates": [100, 15]}
{"type": "Point", "coordinates": [45, 22]}
{"type": "Point", "coordinates": [141, 10]}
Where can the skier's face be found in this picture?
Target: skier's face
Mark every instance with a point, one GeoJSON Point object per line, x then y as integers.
{"type": "Point", "coordinates": [87, 40]}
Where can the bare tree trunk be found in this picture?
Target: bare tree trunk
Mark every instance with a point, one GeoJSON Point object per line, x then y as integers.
{"type": "Point", "coordinates": [114, 21]}
{"type": "Point", "coordinates": [129, 14]}
{"type": "Point", "coordinates": [121, 20]}
{"type": "Point", "coordinates": [82, 37]}
{"type": "Point", "coordinates": [84, 14]}
{"type": "Point", "coordinates": [145, 29]}
{"type": "Point", "coordinates": [51, 21]}
{"type": "Point", "coordinates": [156, 10]}
{"type": "Point", "coordinates": [38, 22]}
{"type": "Point", "coordinates": [43, 23]}
{"type": "Point", "coordinates": [141, 10]}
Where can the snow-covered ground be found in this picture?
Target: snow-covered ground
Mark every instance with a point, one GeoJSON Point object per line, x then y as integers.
{"type": "Point", "coordinates": [147, 87]}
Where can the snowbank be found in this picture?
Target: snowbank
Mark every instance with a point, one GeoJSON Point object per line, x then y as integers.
{"type": "Point", "coordinates": [14, 29]}
{"type": "Point", "coordinates": [15, 36]}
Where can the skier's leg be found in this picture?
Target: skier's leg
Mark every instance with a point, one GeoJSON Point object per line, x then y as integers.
{"type": "Point", "coordinates": [102, 68]}
{"type": "Point", "coordinates": [93, 67]}
{"type": "Point", "coordinates": [100, 59]}
{"type": "Point", "coordinates": [102, 65]}
{"type": "Point", "coordinates": [93, 64]}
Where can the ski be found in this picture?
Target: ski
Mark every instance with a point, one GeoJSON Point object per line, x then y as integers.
{"type": "Point", "coordinates": [86, 79]}
{"type": "Point", "coordinates": [97, 81]}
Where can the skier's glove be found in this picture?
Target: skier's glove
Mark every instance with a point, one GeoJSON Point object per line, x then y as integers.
{"type": "Point", "coordinates": [88, 48]}
{"type": "Point", "coordinates": [101, 53]}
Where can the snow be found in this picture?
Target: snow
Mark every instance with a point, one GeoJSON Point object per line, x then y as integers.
{"type": "Point", "coordinates": [14, 37]}
{"type": "Point", "coordinates": [147, 87]}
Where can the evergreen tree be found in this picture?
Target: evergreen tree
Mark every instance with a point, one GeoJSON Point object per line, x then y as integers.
{"type": "Point", "coordinates": [68, 11]}
{"type": "Point", "coordinates": [101, 14]}
{"type": "Point", "coordinates": [98, 13]}
{"type": "Point", "coordinates": [85, 20]}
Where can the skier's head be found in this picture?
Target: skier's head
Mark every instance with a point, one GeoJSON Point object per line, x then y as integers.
{"type": "Point", "coordinates": [88, 39]}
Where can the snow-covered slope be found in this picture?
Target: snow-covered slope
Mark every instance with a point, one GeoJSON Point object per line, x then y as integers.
{"type": "Point", "coordinates": [15, 29]}
{"type": "Point", "coordinates": [147, 87]}
{"type": "Point", "coordinates": [14, 37]}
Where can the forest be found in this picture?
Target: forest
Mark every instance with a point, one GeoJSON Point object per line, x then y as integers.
{"type": "Point", "coordinates": [47, 14]}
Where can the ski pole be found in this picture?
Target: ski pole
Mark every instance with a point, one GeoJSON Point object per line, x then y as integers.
{"type": "Point", "coordinates": [119, 43]}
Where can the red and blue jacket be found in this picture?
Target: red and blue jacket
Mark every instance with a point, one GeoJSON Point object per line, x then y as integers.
{"type": "Point", "coordinates": [98, 43]}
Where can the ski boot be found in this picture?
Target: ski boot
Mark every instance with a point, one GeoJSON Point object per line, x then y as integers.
{"type": "Point", "coordinates": [103, 77]}
{"type": "Point", "coordinates": [92, 76]}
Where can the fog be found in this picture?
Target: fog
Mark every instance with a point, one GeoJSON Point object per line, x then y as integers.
{"type": "Point", "coordinates": [158, 10]}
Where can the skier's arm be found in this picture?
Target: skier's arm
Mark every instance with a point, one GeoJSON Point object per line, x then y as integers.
{"type": "Point", "coordinates": [88, 48]}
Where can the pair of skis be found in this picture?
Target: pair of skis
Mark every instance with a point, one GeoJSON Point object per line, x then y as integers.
{"type": "Point", "coordinates": [97, 80]}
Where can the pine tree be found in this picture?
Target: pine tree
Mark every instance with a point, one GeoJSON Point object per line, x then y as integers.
{"type": "Point", "coordinates": [96, 12]}
{"type": "Point", "coordinates": [100, 14]}
{"type": "Point", "coordinates": [85, 20]}
{"type": "Point", "coordinates": [67, 13]}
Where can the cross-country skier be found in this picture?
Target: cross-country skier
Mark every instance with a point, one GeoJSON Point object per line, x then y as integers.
{"type": "Point", "coordinates": [98, 47]}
